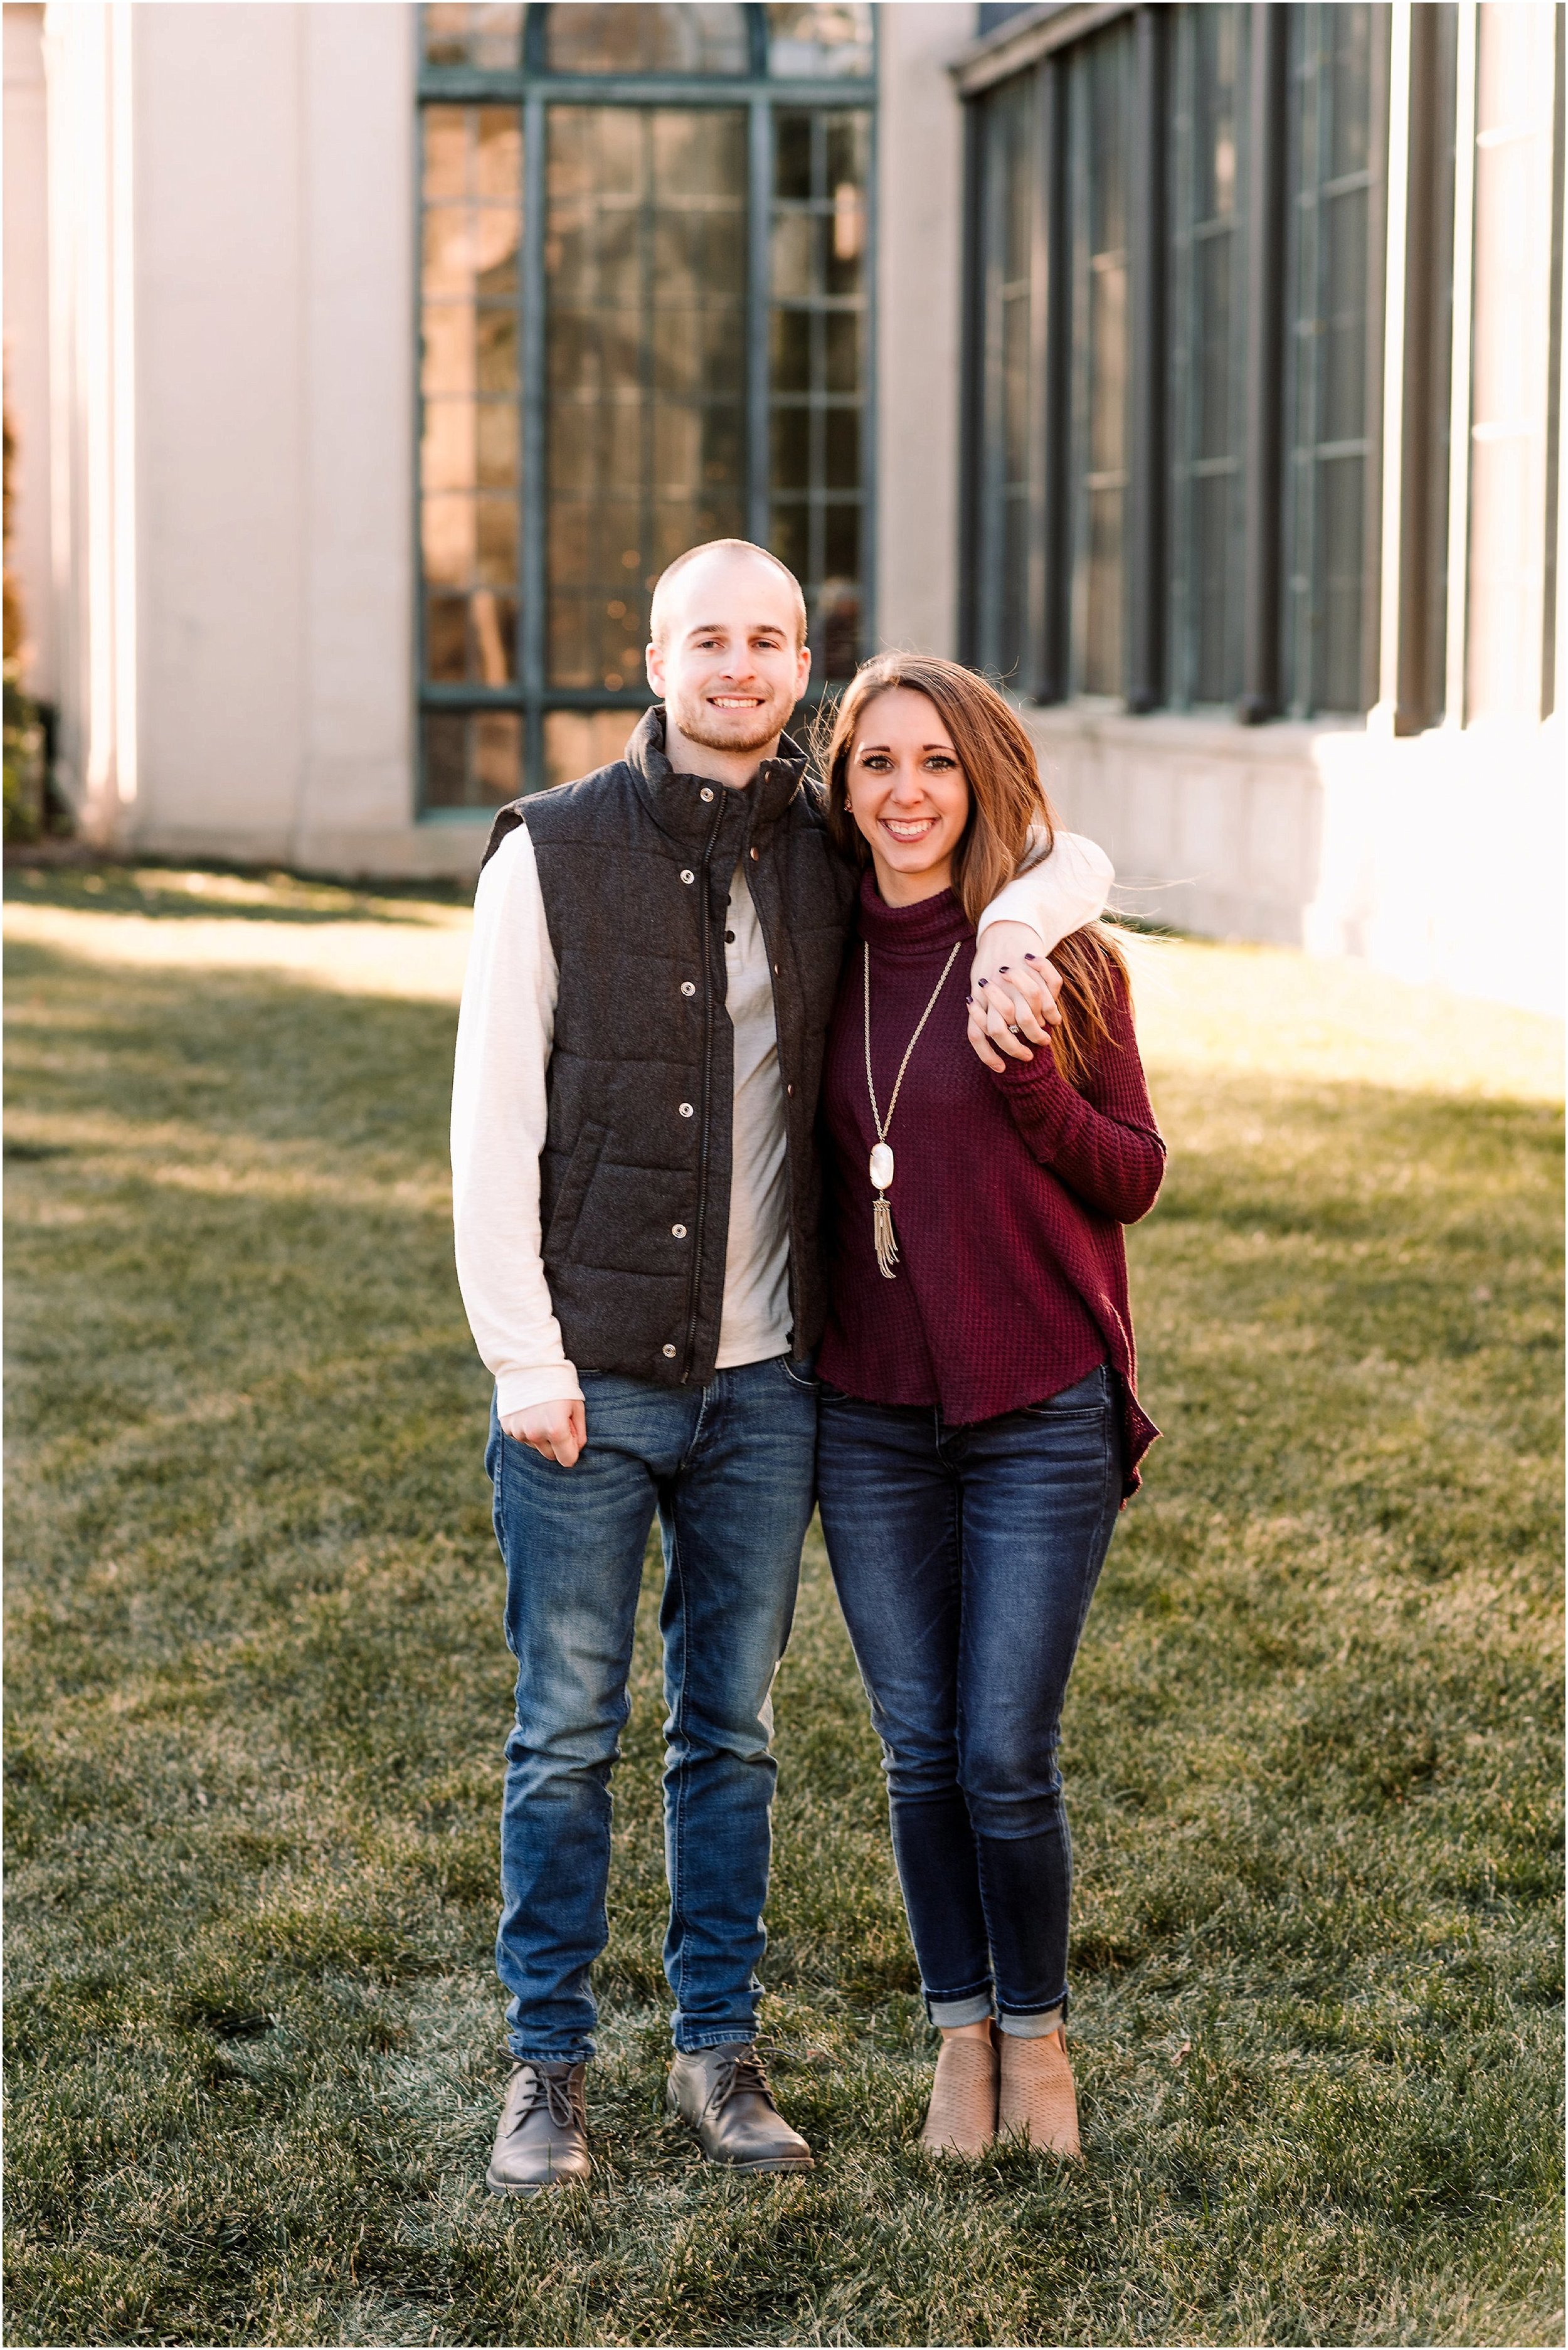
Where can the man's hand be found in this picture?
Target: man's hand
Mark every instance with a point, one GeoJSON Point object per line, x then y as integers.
{"type": "Point", "coordinates": [1012, 994]}
{"type": "Point", "coordinates": [557, 1431]}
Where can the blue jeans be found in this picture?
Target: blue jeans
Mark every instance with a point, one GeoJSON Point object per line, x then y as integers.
{"type": "Point", "coordinates": [966, 1559]}
{"type": "Point", "coordinates": [729, 1469]}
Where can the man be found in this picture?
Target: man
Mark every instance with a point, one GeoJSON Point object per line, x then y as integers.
{"type": "Point", "coordinates": [655, 957]}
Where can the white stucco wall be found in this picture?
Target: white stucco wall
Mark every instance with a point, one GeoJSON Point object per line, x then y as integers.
{"type": "Point", "coordinates": [1438, 856]}
{"type": "Point", "coordinates": [26, 265]}
{"type": "Point", "coordinates": [274, 310]}
{"type": "Point", "coordinates": [919, 197]}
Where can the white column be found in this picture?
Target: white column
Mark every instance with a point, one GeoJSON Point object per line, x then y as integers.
{"type": "Point", "coordinates": [27, 339]}
{"type": "Point", "coordinates": [1510, 362]}
{"type": "Point", "coordinates": [357, 251]}
{"type": "Point", "coordinates": [919, 293]}
{"type": "Point", "coordinates": [93, 532]}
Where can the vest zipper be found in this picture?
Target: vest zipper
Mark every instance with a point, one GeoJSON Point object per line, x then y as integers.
{"type": "Point", "coordinates": [790, 1170]}
{"type": "Point", "coordinates": [695, 1277]}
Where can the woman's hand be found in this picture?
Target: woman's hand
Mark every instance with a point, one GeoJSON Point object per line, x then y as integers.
{"type": "Point", "coordinates": [557, 1431]}
{"type": "Point", "coordinates": [1012, 994]}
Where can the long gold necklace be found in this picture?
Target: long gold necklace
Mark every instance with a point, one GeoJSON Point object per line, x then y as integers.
{"type": "Point", "coordinates": [881, 1160]}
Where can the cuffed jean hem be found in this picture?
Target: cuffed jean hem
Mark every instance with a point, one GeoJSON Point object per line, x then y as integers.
{"type": "Point", "coordinates": [715, 2035]}
{"type": "Point", "coordinates": [582, 2055]}
{"type": "Point", "coordinates": [953, 2008]}
{"type": "Point", "coordinates": [1037, 2025]}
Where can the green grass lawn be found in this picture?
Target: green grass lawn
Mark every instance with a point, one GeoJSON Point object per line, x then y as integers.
{"type": "Point", "coordinates": [258, 1695]}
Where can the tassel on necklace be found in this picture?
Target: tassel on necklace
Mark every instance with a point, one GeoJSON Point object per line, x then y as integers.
{"type": "Point", "coordinates": [882, 1234]}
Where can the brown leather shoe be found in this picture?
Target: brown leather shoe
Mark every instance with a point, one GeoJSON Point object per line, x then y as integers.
{"type": "Point", "coordinates": [1038, 2100]}
{"type": "Point", "coordinates": [542, 2139]}
{"type": "Point", "coordinates": [723, 2092]}
{"type": "Point", "coordinates": [962, 2116]}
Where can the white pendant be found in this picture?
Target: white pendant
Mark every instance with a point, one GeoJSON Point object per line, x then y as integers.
{"type": "Point", "coordinates": [881, 1166]}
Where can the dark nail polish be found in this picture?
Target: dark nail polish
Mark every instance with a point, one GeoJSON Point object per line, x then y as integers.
{"type": "Point", "coordinates": [1002, 970]}
{"type": "Point", "coordinates": [1031, 958]}
{"type": "Point", "coordinates": [980, 982]}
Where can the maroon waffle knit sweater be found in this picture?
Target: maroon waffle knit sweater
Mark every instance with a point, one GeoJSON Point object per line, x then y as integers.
{"type": "Point", "coordinates": [1008, 1200]}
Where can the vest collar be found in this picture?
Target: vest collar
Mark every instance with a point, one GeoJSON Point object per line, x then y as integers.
{"type": "Point", "coordinates": [675, 801]}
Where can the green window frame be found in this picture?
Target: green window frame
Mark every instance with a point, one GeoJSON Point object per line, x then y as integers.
{"type": "Point", "coordinates": [1338, 85]}
{"type": "Point", "coordinates": [647, 246]}
{"type": "Point", "coordinates": [1208, 343]}
{"type": "Point", "coordinates": [1177, 216]}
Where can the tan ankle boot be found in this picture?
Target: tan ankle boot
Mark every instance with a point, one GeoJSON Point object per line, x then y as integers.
{"type": "Point", "coordinates": [1037, 2100]}
{"type": "Point", "coordinates": [961, 2118]}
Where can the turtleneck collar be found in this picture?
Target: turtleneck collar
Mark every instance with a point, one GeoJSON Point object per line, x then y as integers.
{"type": "Point", "coordinates": [676, 802]}
{"type": "Point", "coordinates": [911, 930]}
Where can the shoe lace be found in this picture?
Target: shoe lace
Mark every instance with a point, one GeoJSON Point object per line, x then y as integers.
{"type": "Point", "coordinates": [555, 2090]}
{"type": "Point", "coordinates": [741, 2074]}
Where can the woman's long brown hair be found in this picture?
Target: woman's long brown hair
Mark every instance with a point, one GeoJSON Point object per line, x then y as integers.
{"type": "Point", "coordinates": [1006, 797]}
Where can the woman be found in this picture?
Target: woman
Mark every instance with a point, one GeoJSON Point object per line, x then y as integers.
{"type": "Point", "coordinates": [979, 1427]}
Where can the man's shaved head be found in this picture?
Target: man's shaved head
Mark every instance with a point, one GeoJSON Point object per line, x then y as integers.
{"type": "Point", "coordinates": [721, 553]}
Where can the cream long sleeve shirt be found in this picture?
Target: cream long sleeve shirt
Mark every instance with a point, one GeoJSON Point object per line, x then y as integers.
{"type": "Point", "coordinates": [500, 1109]}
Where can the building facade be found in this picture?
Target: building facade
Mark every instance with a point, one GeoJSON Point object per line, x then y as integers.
{"type": "Point", "coordinates": [1195, 370]}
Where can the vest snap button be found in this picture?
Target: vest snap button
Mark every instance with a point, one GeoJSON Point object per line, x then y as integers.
{"type": "Point", "coordinates": [754, 856]}
{"type": "Point", "coordinates": [687, 875]}
{"type": "Point", "coordinates": [687, 1110]}
{"type": "Point", "coordinates": [669, 1353]}
{"type": "Point", "coordinates": [687, 988]}
{"type": "Point", "coordinates": [706, 794]}
{"type": "Point", "coordinates": [678, 1230]}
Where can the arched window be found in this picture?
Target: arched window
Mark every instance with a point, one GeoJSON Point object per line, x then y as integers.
{"type": "Point", "coordinates": [645, 322]}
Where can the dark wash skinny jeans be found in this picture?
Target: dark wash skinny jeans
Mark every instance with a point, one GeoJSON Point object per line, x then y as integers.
{"type": "Point", "coordinates": [965, 1560]}
{"type": "Point", "coordinates": [728, 1468]}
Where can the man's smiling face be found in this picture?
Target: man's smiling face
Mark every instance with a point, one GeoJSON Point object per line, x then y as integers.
{"type": "Point", "coordinates": [726, 658]}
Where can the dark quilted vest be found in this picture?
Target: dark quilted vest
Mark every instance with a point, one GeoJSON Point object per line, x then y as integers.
{"type": "Point", "coordinates": [635, 864]}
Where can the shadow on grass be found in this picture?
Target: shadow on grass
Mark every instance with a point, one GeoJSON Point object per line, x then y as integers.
{"type": "Point", "coordinates": [259, 1693]}
{"type": "Point", "coordinates": [224, 893]}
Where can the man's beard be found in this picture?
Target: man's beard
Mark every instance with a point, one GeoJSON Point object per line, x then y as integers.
{"type": "Point", "coordinates": [695, 724]}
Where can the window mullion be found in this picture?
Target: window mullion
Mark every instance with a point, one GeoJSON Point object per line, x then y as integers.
{"type": "Point", "coordinates": [1055, 400]}
{"type": "Point", "coordinates": [1265, 266]}
{"type": "Point", "coordinates": [759, 168]}
{"type": "Point", "coordinates": [532, 355]}
{"type": "Point", "coordinates": [1145, 574]}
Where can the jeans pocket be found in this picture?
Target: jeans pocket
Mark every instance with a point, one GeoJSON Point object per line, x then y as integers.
{"type": "Point", "coordinates": [1081, 1401]}
{"type": "Point", "coordinates": [801, 1376]}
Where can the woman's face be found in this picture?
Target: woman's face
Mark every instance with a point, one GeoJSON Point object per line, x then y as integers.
{"type": "Point", "coordinates": [908, 794]}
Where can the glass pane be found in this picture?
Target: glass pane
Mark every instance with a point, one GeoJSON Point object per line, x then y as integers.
{"type": "Point", "coordinates": [1208, 209]}
{"type": "Point", "coordinates": [1006, 467]}
{"type": "Point", "coordinates": [1103, 620]}
{"type": "Point", "coordinates": [1332, 151]}
{"type": "Point", "coordinates": [817, 387]}
{"type": "Point", "coordinates": [576, 742]}
{"type": "Point", "coordinates": [1216, 34]}
{"type": "Point", "coordinates": [1215, 677]}
{"type": "Point", "coordinates": [1340, 498]}
{"type": "Point", "coordinates": [472, 759]}
{"type": "Point", "coordinates": [471, 639]}
{"type": "Point", "coordinates": [630, 39]}
{"type": "Point", "coordinates": [837, 628]}
{"type": "Point", "coordinates": [470, 436]}
{"type": "Point", "coordinates": [1349, 31]}
{"type": "Point", "coordinates": [490, 38]}
{"type": "Point", "coordinates": [1100, 99]}
{"type": "Point", "coordinates": [1214, 362]}
{"type": "Point", "coordinates": [645, 277]}
{"type": "Point", "coordinates": [445, 761]}
{"type": "Point", "coordinates": [819, 41]}
{"type": "Point", "coordinates": [1345, 323]}
{"type": "Point", "coordinates": [446, 639]}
